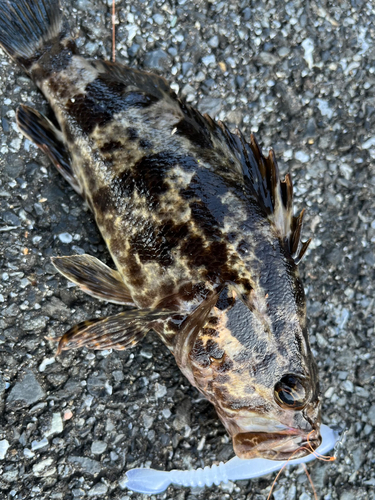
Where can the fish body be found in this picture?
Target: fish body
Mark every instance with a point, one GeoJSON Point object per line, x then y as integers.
{"type": "Point", "coordinates": [198, 223]}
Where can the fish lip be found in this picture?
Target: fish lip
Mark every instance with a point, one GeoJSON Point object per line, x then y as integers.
{"type": "Point", "coordinates": [283, 445]}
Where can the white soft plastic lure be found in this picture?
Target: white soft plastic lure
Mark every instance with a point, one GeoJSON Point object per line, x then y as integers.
{"type": "Point", "coordinates": [151, 481]}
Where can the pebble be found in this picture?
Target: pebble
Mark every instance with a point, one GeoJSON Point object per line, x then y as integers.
{"type": "Point", "coordinates": [91, 48]}
{"type": "Point", "coordinates": [133, 50]}
{"type": "Point", "coordinates": [27, 391]}
{"type": "Point", "coordinates": [98, 447]}
{"type": "Point", "coordinates": [209, 60]}
{"type": "Point", "coordinates": [346, 170]}
{"type": "Point", "coordinates": [325, 109]}
{"type": "Point", "coordinates": [279, 494]}
{"type": "Point", "coordinates": [4, 445]}
{"type": "Point", "coordinates": [213, 42]}
{"type": "Point", "coordinates": [349, 494]}
{"type": "Point", "coordinates": [98, 490]}
{"type": "Point", "coordinates": [308, 47]}
{"type": "Point", "coordinates": [46, 361]}
{"type": "Point", "coordinates": [57, 425]}
{"type": "Point", "coordinates": [362, 392]}
{"type": "Point", "coordinates": [159, 19]}
{"type": "Point", "coordinates": [160, 390]}
{"type": "Point", "coordinates": [186, 67]}
{"type": "Point", "coordinates": [35, 324]}
{"type": "Point", "coordinates": [166, 413]}
{"type": "Point", "coordinates": [42, 468]}
{"type": "Point", "coordinates": [86, 464]}
{"type": "Point", "coordinates": [65, 238]}
{"type": "Point", "coordinates": [37, 445]}
{"type": "Point", "coordinates": [301, 156]}
{"type": "Point", "coordinates": [118, 375]}
{"type": "Point", "coordinates": [283, 51]}
{"type": "Point", "coordinates": [347, 385]}
{"type": "Point", "coordinates": [11, 219]}
{"type": "Point", "coordinates": [371, 415]}
{"type": "Point", "coordinates": [187, 89]}
{"type": "Point", "coordinates": [210, 105]}
{"type": "Point", "coordinates": [28, 453]}
{"type": "Point", "coordinates": [228, 487]}
{"type": "Point", "coordinates": [147, 421]}
{"type": "Point", "coordinates": [267, 58]}
{"type": "Point", "coordinates": [369, 143]}
{"type": "Point", "coordinates": [329, 392]}
{"type": "Point", "coordinates": [157, 60]}
{"type": "Point", "coordinates": [123, 482]}
{"type": "Point", "coordinates": [10, 476]}
{"type": "Point", "coordinates": [146, 353]}
{"type": "Point", "coordinates": [304, 496]}
{"type": "Point", "coordinates": [68, 415]}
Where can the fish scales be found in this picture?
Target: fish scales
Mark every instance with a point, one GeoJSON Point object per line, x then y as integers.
{"type": "Point", "coordinates": [198, 223]}
{"type": "Point", "coordinates": [138, 172]}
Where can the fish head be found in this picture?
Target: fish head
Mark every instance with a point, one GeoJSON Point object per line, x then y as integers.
{"type": "Point", "coordinates": [253, 361]}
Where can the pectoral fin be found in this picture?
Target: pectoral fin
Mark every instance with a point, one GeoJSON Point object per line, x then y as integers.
{"type": "Point", "coordinates": [118, 332]}
{"type": "Point", "coordinates": [94, 277]}
{"type": "Point", "coordinates": [189, 330]}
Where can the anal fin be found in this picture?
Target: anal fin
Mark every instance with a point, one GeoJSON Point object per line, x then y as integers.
{"type": "Point", "coordinates": [118, 332]}
{"type": "Point", "coordinates": [94, 278]}
{"type": "Point", "coordinates": [39, 130]}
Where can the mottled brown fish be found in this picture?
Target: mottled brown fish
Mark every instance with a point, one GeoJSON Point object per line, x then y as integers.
{"type": "Point", "coordinates": [199, 226]}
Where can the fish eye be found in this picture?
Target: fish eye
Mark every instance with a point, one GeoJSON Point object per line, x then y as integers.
{"type": "Point", "coordinates": [290, 392]}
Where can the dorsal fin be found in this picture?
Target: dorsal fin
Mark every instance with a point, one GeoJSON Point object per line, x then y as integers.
{"type": "Point", "coordinates": [262, 178]}
{"type": "Point", "coordinates": [262, 182]}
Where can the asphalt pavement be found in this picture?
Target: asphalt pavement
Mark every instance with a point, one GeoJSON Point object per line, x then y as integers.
{"type": "Point", "coordinates": [300, 75]}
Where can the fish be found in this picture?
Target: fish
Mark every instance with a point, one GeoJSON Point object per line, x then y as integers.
{"type": "Point", "coordinates": [199, 225]}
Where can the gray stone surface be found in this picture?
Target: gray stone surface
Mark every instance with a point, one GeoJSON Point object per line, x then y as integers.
{"type": "Point", "coordinates": [301, 75]}
{"type": "Point", "coordinates": [26, 391]}
{"type": "Point", "coordinates": [156, 60]}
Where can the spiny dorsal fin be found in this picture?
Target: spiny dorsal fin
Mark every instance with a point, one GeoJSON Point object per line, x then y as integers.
{"type": "Point", "coordinates": [275, 194]}
{"type": "Point", "coordinates": [262, 181]}
{"type": "Point", "coordinates": [261, 178]}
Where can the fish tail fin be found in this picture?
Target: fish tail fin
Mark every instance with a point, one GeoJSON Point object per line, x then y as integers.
{"type": "Point", "coordinates": [28, 27]}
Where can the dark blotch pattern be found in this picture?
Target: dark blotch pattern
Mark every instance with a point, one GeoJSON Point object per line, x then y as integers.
{"type": "Point", "coordinates": [213, 349]}
{"type": "Point", "coordinates": [225, 301]}
{"type": "Point", "coordinates": [103, 98]}
{"type": "Point", "coordinates": [145, 144]}
{"type": "Point", "coordinates": [226, 365]}
{"type": "Point", "coordinates": [148, 244]}
{"type": "Point", "coordinates": [132, 133]}
{"type": "Point", "coordinates": [109, 147]}
{"type": "Point", "coordinates": [210, 332]}
{"type": "Point", "coordinates": [199, 354]}
{"type": "Point", "coordinates": [134, 271]}
{"type": "Point", "coordinates": [147, 176]}
{"type": "Point", "coordinates": [102, 200]}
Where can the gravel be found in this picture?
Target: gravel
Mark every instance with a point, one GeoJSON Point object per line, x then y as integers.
{"type": "Point", "coordinates": [301, 76]}
{"type": "Point", "coordinates": [26, 392]}
{"type": "Point", "coordinates": [4, 445]}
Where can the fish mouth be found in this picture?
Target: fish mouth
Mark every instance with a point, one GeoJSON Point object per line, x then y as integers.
{"type": "Point", "coordinates": [276, 446]}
